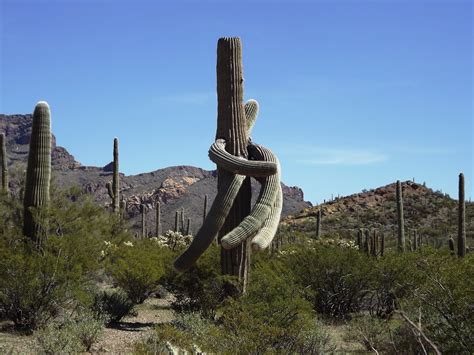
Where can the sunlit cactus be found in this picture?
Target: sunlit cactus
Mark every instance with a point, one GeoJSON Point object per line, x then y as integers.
{"type": "Point", "coordinates": [3, 162]}
{"type": "Point", "coordinates": [158, 219]}
{"type": "Point", "coordinates": [401, 223]}
{"type": "Point", "coordinates": [318, 224]}
{"type": "Point", "coordinates": [38, 173]}
{"type": "Point", "coordinates": [113, 188]}
{"type": "Point", "coordinates": [461, 219]}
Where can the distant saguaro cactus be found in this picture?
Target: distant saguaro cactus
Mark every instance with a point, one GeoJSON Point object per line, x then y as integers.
{"type": "Point", "coordinates": [38, 173]}
{"type": "Point", "coordinates": [461, 219]}
{"type": "Point", "coordinates": [188, 226]}
{"type": "Point", "coordinates": [367, 242]}
{"type": "Point", "coordinates": [375, 242]}
{"type": "Point", "coordinates": [382, 244]}
{"type": "Point", "coordinates": [3, 161]}
{"type": "Point", "coordinates": [176, 221]}
{"type": "Point", "coordinates": [451, 244]}
{"type": "Point", "coordinates": [401, 223]}
{"type": "Point", "coordinates": [318, 223]}
{"type": "Point", "coordinates": [143, 211]}
{"type": "Point", "coordinates": [205, 209]}
{"type": "Point", "coordinates": [113, 188]}
{"type": "Point", "coordinates": [415, 240]}
{"type": "Point", "coordinates": [181, 222]}
{"type": "Point", "coordinates": [158, 219]}
{"type": "Point", "coordinates": [359, 239]}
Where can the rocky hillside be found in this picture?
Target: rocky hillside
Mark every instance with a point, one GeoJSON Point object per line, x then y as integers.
{"type": "Point", "coordinates": [431, 213]}
{"type": "Point", "coordinates": [175, 187]}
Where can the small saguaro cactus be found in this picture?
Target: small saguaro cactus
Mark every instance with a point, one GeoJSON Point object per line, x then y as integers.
{"type": "Point", "coordinates": [231, 217]}
{"type": "Point", "coordinates": [3, 161]}
{"type": "Point", "coordinates": [176, 221]}
{"type": "Point", "coordinates": [113, 188]}
{"type": "Point", "coordinates": [382, 244]}
{"type": "Point", "coordinates": [205, 209]}
{"type": "Point", "coordinates": [461, 219]}
{"type": "Point", "coordinates": [188, 226]}
{"type": "Point", "coordinates": [158, 219]}
{"type": "Point", "coordinates": [38, 172]}
{"type": "Point", "coordinates": [451, 244]}
{"type": "Point", "coordinates": [318, 224]}
{"type": "Point", "coordinates": [401, 224]}
{"type": "Point", "coordinates": [143, 211]}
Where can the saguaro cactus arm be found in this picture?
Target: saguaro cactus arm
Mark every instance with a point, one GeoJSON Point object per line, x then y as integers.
{"type": "Point", "coordinates": [263, 206]}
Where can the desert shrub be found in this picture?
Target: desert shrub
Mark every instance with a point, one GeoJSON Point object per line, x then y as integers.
{"type": "Point", "coordinates": [35, 285]}
{"type": "Point", "coordinates": [112, 306]}
{"type": "Point", "coordinates": [88, 327]}
{"type": "Point", "coordinates": [137, 267]}
{"type": "Point", "coordinates": [202, 288]}
{"type": "Point", "coordinates": [336, 280]}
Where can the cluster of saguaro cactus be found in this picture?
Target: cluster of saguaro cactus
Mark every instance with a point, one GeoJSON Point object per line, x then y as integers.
{"type": "Point", "coordinates": [113, 188]}
{"type": "Point", "coordinates": [401, 223]}
{"type": "Point", "coordinates": [237, 158]}
{"type": "Point", "coordinates": [38, 173]}
{"type": "Point", "coordinates": [3, 162]}
{"type": "Point", "coordinates": [373, 245]}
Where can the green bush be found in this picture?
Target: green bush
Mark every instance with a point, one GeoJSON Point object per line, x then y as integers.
{"type": "Point", "coordinates": [137, 267]}
{"type": "Point", "coordinates": [336, 279]}
{"type": "Point", "coordinates": [112, 306]}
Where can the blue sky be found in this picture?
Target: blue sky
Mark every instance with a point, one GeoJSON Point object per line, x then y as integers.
{"type": "Point", "coordinates": [353, 94]}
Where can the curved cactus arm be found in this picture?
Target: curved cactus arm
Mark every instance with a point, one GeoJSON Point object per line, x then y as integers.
{"type": "Point", "coordinates": [110, 191]}
{"type": "Point", "coordinates": [215, 219]}
{"type": "Point", "coordinates": [262, 208]}
{"type": "Point", "coordinates": [251, 108]}
{"type": "Point", "coordinates": [266, 234]}
{"type": "Point", "coordinates": [238, 165]}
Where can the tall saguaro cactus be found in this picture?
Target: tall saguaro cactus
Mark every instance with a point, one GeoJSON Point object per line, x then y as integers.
{"type": "Point", "coordinates": [318, 224]}
{"type": "Point", "coordinates": [158, 219]}
{"type": "Point", "coordinates": [205, 209]}
{"type": "Point", "coordinates": [3, 161]}
{"type": "Point", "coordinates": [38, 173]}
{"type": "Point", "coordinates": [114, 188]}
{"type": "Point", "coordinates": [237, 158]}
{"type": "Point", "coordinates": [461, 218]}
{"type": "Point", "coordinates": [401, 223]}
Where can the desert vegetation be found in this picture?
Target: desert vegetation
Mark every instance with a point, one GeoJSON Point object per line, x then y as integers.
{"type": "Point", "coordinates": [72, 269]}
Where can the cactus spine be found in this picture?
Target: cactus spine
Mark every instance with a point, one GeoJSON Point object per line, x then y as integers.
{"type": "Point", "coordinates": [114, 188]}
{"type": "Point", "coordinates": [3, 161]}
{"type": "Point", "coordinates": [461, 219]}
{"type": "Point", "coordinates": [158, 219]}
{"type": "Point", "coordinates": [38, 173]}
{"type": "Point", "coordinates": [401, 224]}
{"type": "Point", "coordinates": [318, 224]}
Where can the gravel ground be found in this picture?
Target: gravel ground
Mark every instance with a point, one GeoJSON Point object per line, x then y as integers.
{"type": "Point", "coordinates": [117, 340]}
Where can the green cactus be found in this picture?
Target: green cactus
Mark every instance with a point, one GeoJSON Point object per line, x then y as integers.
{"type": "Point", "coordinates": [232, 203]}
{"type": "Point", "coordinates": [367, 242]}
{"type": "Point", "coordinates": [113, 188]}
{"type": "Point", "coordinates": [143, 211]}
{"type": "Point", "coordinates": [401, 223]}
{"type": "Point", "coordinates": [359, 239]}
{"type": "Point", "coordinates": [205, 209]}
{"type": "Point", "coordinates": [461, 219]}
{"type": "Point", "coordinates": [188, 226]}
{"type": "Point", "coordinates": [382, 244]}
{"type": "Point", "coordinates": [375, 242]}
{"type": "Point", "coordinates": [451, 244]}
{"type": "Point", "coordinates": [415, 240]}
{"type": "Point", "coordinates": [38, 173]}
{"type": "Point", "coordinates": [181, 222]}
{"type": "Point", "coordinates": [3, 161]}
{"type": "Point", "coordinates": [176, 221]}
{"type": "Point", "coordinates": [158, 219]}
{"type": "Point", "coordinates": [318, 224]}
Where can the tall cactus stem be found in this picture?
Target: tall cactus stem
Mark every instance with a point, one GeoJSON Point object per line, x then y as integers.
{"type": "Point", "coordinates": [461, 218]}
{"type": "Point", "coordinates": [188, 226]}
{"type": "Point", "coordinates": [143, 214]}
{"type": "Point", "coordinates": [382, 244]}
{"type": "Point", "coordinates": [158, 219]}
{"type": "Point", "coordinates": [318, 223]}
{"type": "Point", "coordinates": [3, 161]}
{"type": "Point", "coordinates": [204, 214]}
{"type": "Point", "coordinates": [38, 173]}
{"type": "Point", "coordinates": [176, 221]}
{"type": "Point", "coordinates": [401, 223]}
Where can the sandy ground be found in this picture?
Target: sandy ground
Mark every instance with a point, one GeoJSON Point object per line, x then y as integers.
{"type": "Point", "coordinates": [117, 340]}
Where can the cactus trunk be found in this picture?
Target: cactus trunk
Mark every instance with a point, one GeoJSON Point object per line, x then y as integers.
{"type": "Point", "coordinates": [158, 219]}
{"type": "Point", "coordinates": [382, 244]}
{"type": "Point", "coordinates": [3, 161]}
{"type": "Point", "coordinates": [143, 213]}
{"type": "Point", "coordinates": [188, 226]}
{"type": "Point", "coordinates": [318, 224]}
{"type": "Point", "coordinates": [232, 127]}
{"type": "Point", "coordinates": [461, 219]}
{"type": "Point", "coordinates": [205, 209]}
{"type": "Point", "coordinates": [176, 221]}
{"type": "Point", "coordinates": [401, 224]}
{"type": "Point", "coordinates": [38, 173]}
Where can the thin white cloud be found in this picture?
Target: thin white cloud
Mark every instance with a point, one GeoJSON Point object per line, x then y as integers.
{"type": "Point", "coordinates": [328, 156]}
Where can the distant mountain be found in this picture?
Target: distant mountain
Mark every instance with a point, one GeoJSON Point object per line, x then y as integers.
{"type": "Point", "coordinates": [431, 213]}
{"type": "Point", "coordinates": [175, 187]}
